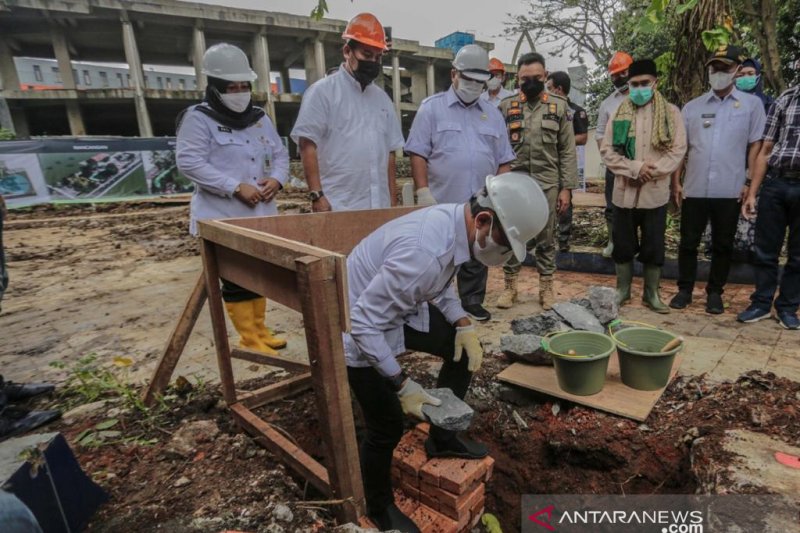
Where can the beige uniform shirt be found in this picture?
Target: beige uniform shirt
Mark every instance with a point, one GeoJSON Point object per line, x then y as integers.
{"type": "Point", "coordinates": [542, 137]}
{"type": "Point", "coordinates": [629, 193]}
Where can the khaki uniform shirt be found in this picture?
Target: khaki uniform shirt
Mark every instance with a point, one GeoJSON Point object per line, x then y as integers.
{"type": "Point", "coordinates": [542, 137]}
{"type": "Point", "coordinates": [629, 193]}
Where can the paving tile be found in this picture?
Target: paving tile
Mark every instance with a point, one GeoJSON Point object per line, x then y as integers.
{"type": "Point", "coordinates": [741, 358]}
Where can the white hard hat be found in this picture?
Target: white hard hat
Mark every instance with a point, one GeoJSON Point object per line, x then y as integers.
{"type": "Point", "coordinates": [227, 62]}
{"type": "Point", "coordinates": [473, 60]}
{"type": "Point", "coordinates": [520, 205]}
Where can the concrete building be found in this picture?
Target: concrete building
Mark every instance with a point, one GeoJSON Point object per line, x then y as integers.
{"type": "Point", "coordinates": [173, 33]}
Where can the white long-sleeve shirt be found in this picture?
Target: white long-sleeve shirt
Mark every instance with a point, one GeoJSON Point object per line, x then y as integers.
{"type": "Point", "coordinates": [393, 274]}
{"type": "Point", "coordinates": [218, 158]}
{"type": "Point", "coordinates": [355, 131]}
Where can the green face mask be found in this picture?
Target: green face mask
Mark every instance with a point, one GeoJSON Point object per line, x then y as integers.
{"type": "Point", "coordinates": [640, 95]}
{"type": "Point", "coordinates": [746, 83]}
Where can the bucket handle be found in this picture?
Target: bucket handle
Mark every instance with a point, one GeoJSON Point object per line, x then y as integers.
{"type": "Point", "coordinates": [618, 322]}
{"type": "Point", "coordinates": [545, 343]}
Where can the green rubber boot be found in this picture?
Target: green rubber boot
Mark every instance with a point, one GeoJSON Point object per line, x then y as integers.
{"type": "Point", "coordinates": [624, 280]}
{"type": "Point", "coordinates": [609, 249]}
{"type": "Point", "coordinates": [650, 296]}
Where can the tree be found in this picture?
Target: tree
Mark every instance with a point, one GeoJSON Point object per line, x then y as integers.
{"type": "Point", "coordinates": [582, 26]}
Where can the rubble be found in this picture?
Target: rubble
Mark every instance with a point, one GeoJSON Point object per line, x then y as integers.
{"type": "Point", "coordinates": [604, 304]}
{"type": "Point", "coordinates": [540, 324]}
{"type": "Point", "coordinates": [186, 439]}
{"type": "Point", "coordinates": [453, 414]}
{"type": "Point", "coordinates": [578, 317]}
{"type": "Point", "coordinates": [526, 348]}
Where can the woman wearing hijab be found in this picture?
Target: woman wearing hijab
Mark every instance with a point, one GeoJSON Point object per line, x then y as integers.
{"type": "Point", "coordinates": [749, 80]}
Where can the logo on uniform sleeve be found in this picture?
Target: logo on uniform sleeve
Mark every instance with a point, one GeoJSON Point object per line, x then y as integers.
{"type": "Point", "coordinates": [553, 108]}
{"type": "Point", "coordinates": [224, 129]}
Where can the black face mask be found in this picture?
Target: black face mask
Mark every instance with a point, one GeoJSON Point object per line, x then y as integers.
{"type": "Point", "coordinates": [620, 82]}
{"type": "Point", "coordinates": [532, 89]}
{"type": "Point", "coordinates": [367, 71]}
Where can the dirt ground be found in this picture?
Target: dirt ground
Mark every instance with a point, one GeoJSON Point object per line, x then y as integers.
{"type": "Point", "coordinates": [109, 280]}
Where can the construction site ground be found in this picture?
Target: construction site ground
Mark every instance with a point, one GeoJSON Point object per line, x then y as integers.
{"type": "Point", "coordinates": [103, 286]}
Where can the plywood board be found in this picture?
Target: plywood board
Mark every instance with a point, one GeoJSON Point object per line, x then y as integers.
{"type": "Point", "coordinates": [615, 397]}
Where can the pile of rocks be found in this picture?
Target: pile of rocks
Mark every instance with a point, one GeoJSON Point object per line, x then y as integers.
{"type": "Point", "coordinates": [592, 313]}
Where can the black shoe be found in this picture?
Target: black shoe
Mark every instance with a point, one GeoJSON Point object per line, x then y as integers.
{"type": "Point", "coordinates": [681, 300]}
{"type": "Point", "coordinates": [15, 426]}
{"type": "Point", "coordinates": [393, 519]}
{"type": "Point", "coordinates": [477, 312]}
{"type": "Point", "coordinates": [714, 304]}
{"type": "Point", "coordinates": [458, 446]}
{"type": "Point", "coordinates": [22, 391]}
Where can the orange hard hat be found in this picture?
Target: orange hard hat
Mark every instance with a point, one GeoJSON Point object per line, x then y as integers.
{"type": "Point", "coordinates": [621, 61]}
{"type": "Point", "coordinates": [496, 64]}
{"type": "Point", "coordinates": [365, 29]}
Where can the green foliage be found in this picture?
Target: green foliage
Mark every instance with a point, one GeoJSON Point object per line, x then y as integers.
{"type": "Point", "coordinates": [319, 12]}
{"type": "Point", "coordinates": [716, 38]}
{"type": "Point", "coordinates": [7, 135]}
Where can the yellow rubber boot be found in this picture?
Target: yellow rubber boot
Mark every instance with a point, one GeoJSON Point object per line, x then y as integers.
{"type": "Point", "coordinates": [264, 333]}
{"type": "Point", "coordinates": [243, 319]}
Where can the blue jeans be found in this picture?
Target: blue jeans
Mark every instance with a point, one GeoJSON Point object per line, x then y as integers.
{"type": "Point", "coordinates": [778, 209]}
{"type": "Point", "coordinates": [15, 517]}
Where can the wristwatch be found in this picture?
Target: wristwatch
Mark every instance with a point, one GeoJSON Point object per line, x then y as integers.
{"type": "Point", "coordinates": [398, 380]}
{"type": "Point", "coordinates": [315, 195]}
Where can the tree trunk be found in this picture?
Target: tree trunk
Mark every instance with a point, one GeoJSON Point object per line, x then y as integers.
{"type": "Point", "coordinates": [762, 16]}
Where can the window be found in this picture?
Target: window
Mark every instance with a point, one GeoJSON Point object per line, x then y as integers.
{"type": "Point", "coordinates": [160, 82]}
{"type": "Point", "coordinates": [128, 80]}
{"type": "Point", "coordinates": [75, 76]}
{"type": "Point", "coordinates": [103, 78]}
{"type": "Point", "coordinates": [56, 74]}
{"type": "Point", "coordinates": [37, 73]}
{"type": "Point", "coordinates": [87, 79]}
{"type": "Point", "coordinates": [119, 79]}
{"type": "Point", "coordinates": [182, 84]}
{"type": "Point", "coordinates": [146, 80]}
{"type": "Point", "coordinates": [169, 83]}
{"type": "Point", "coordinates": [194, 83]}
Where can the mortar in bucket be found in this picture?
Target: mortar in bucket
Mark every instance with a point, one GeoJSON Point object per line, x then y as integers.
{"type": "Point", "coordinates": [580, 359]}
{"type": "Point", "coordinates": [642, 364]}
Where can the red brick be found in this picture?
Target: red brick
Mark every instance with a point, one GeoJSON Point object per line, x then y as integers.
{"type": "Point", "coordinates": [423, 427]}
{"type": "Point", "coordinates": [429, 521]}
{"type": "Point", "coordinates": [448, 499]}
{"type": "Point", "coordinates": [453, 475]}
{"type": "Point", "coordinates": [476, 518]}
{"type": "Point", "coordinates": [426, 498]}
{"type": "Point", "coordinates": [460, 509]}
{"type": "Point", "coordinates": [366, 523]}
{"type": "Point", "coordinates": [410, 492]}
{"type": "Point", "coordinates": [479, 505]}
{"type": "Point", "coordinates": [409, 479]}
{"type": "Point", "coordinates": [489, 462]}
{"type": "Point", "coordinates": [404, 503]}
{"type": "Point", "coordinates": [409, 455]}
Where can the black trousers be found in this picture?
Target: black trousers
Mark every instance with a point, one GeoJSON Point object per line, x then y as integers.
{"type": "Point", "coordinates": [383, 414]}
{"type": "Point", "coordinates": [639, 233]}
{"type": "Point", "coordinates": [695, 215]}
{"type": "Point", "coordinates": [3, 271]}
{"type": "Point", "coordinates": [609, 192]}
{"type": "Point", "coordinates": [231, 292]}
{"type": "Point", "coordinates": [472, 277]}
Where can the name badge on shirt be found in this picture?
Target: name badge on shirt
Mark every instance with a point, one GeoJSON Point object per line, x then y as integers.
{"type": "Point", "coordinates": [708, 115]}
{"type": "Point", "coordinates": [224, 129]}
{"type": "Point", "coordinates": [267, 165]}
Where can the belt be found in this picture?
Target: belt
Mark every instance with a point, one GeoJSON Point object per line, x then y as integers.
{"type": "Point", "coordinates": [788, 174]}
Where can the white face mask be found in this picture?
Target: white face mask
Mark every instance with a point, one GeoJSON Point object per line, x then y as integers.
{"type": "Point", "coordinates": [720, 81]}
{"type": "Point", "coordinates": [469, 90]}
{"type": "Point", "coordinates": [493, 84]}
{"type": "Point", "coordinates": [492, 254]}
{"type": "Point", "coordinates": [236, 102]}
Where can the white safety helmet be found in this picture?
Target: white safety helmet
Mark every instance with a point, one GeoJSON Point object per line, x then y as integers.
{"type": "Point", "coordinates": [520, 205]}
{"type": "Point", "coordinates": [473, 60]}
{"type": "Point", "coordinates": [227, 62]}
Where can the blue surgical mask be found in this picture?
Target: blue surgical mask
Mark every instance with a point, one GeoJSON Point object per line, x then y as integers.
{"type": "Point", "coordinates": [640, 95]}
{"type": "Point", "coordinates": [746, 83]}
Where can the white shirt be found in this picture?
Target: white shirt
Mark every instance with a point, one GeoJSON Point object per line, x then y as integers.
{"type": "Point", "coordinates": [218, 158]}
{"type": "Point", "coordinates": [718, 132]}
{"type": "Point", "coordinates": [607, 109]}
{"type": "Point", "coordinates": [393, 273]}
{"type": "Point", "coordinates": [496, 99]}
{"type": "Point", "coordinates": [354, 131]}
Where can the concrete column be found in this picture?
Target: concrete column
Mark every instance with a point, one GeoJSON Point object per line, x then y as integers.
{"type": "Point", "coordinates": [137, 77]}
{"type": "Point", "coordinates": [419, 88]}
{"type": "Point", "coordinates": [319, 58]}
{"type": "Point", "coordinates": [310, 63]}
{"type": "Point", "coordinates": [262, 67]}
{"type": "Point", "coordinates": [9, 80]}
{"type": "Point", "coordinates": [431, 78]}
{"type": "Point", "coordinates": [76, 125]}
{"type": "Point", "coordinates": [198, 50]}
{"type": "Point", "coordinates": [286, 84]}
{"type": "Point", "coordinates": [20, 121]}
{"type": "Point", "coordinates": [396, 84]}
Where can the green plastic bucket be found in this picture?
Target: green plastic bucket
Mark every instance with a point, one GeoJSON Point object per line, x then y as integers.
{"type": "Point", "coordinates": [642, 366]}
{"type": "Point", "coordinates": [583, 373]}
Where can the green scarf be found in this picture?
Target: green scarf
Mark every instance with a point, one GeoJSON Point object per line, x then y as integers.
{"type": "Point", "coordinates": [624, 127]}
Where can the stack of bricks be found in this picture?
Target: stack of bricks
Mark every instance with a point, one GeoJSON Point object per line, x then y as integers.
{"type": "Point", "coordinates": [440, 495]}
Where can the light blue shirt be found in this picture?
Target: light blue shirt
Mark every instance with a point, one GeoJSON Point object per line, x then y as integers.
{"type": "Point", "coordinates": [462, 144]}
{"type": "Point", "coordinates": [218, 158]}
{"type": "Point", "coordinates": [718, 132]}
{"type": "Point", "coordinates": [608, 108]}
{"type": "Point", "coordinates": [495, 100]}
{"type": "Point", "coordinates": [392, 275]}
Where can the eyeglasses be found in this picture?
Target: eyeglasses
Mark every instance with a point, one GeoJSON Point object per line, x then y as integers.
{"type": "Point", "coordinates": [644, 83]}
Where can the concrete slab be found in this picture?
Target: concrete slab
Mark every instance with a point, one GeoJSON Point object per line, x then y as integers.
{"type": "Point", "coordinates": [741, 358]}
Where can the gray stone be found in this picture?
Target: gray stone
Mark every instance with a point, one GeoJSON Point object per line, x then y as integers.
{"type": "Point", "coordinates": [186, 439]}
{"type": "Point", "coordinates": [540, 324]}
{"type": "Point", "coordinates": [583, 302]}
{"type": "Point", "coordinates": [516, 395]}
{"type": "Point", "coordinates": [578, 317]}
{"type": "Point", "coordinates": [604, 303]}
{"type": "Point", "coordinates": [181, 482]}
{"type": "Point", "coordinates": [453, 414]}
{"type": "Point", "coordinates": [526, 348]}
{"type": "Point", "coordinates": [283, 513]}
{"type": "Point", "coordinates": [82, 411]}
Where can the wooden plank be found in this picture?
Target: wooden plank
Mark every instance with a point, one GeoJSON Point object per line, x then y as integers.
{"type": "Point", "coordinates": [343, 291]}
{"type": "Point", "coordinates": [271, 281]}
{"type": "Point", "coordinates": [276, 391]}
{"type": "Point", "coordinates": [616, 397]}
{"type": "Point", "coordinates": [283, 448]}
{"type": "Point", "coordinates": [336, 231]}
{"type": "Point", "coordinates": [265, 359]}
{"type": "Point", "coordinates": [218, 321]}
{"type": "Point", "coordinates": [177, 342]}
{"type": "Point", "coordinates": [323, 325]}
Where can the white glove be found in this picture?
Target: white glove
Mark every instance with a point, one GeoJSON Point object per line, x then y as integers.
{"type": "Point", "coordinates": [467, 339]}
{"type": "Point", "coordinates": [413, 397]}
{"type": "Point", "coordinates": [424, 196]}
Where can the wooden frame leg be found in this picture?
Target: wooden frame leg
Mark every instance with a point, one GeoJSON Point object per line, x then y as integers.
{"type": "Point", "coordinates": [176, 343]}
